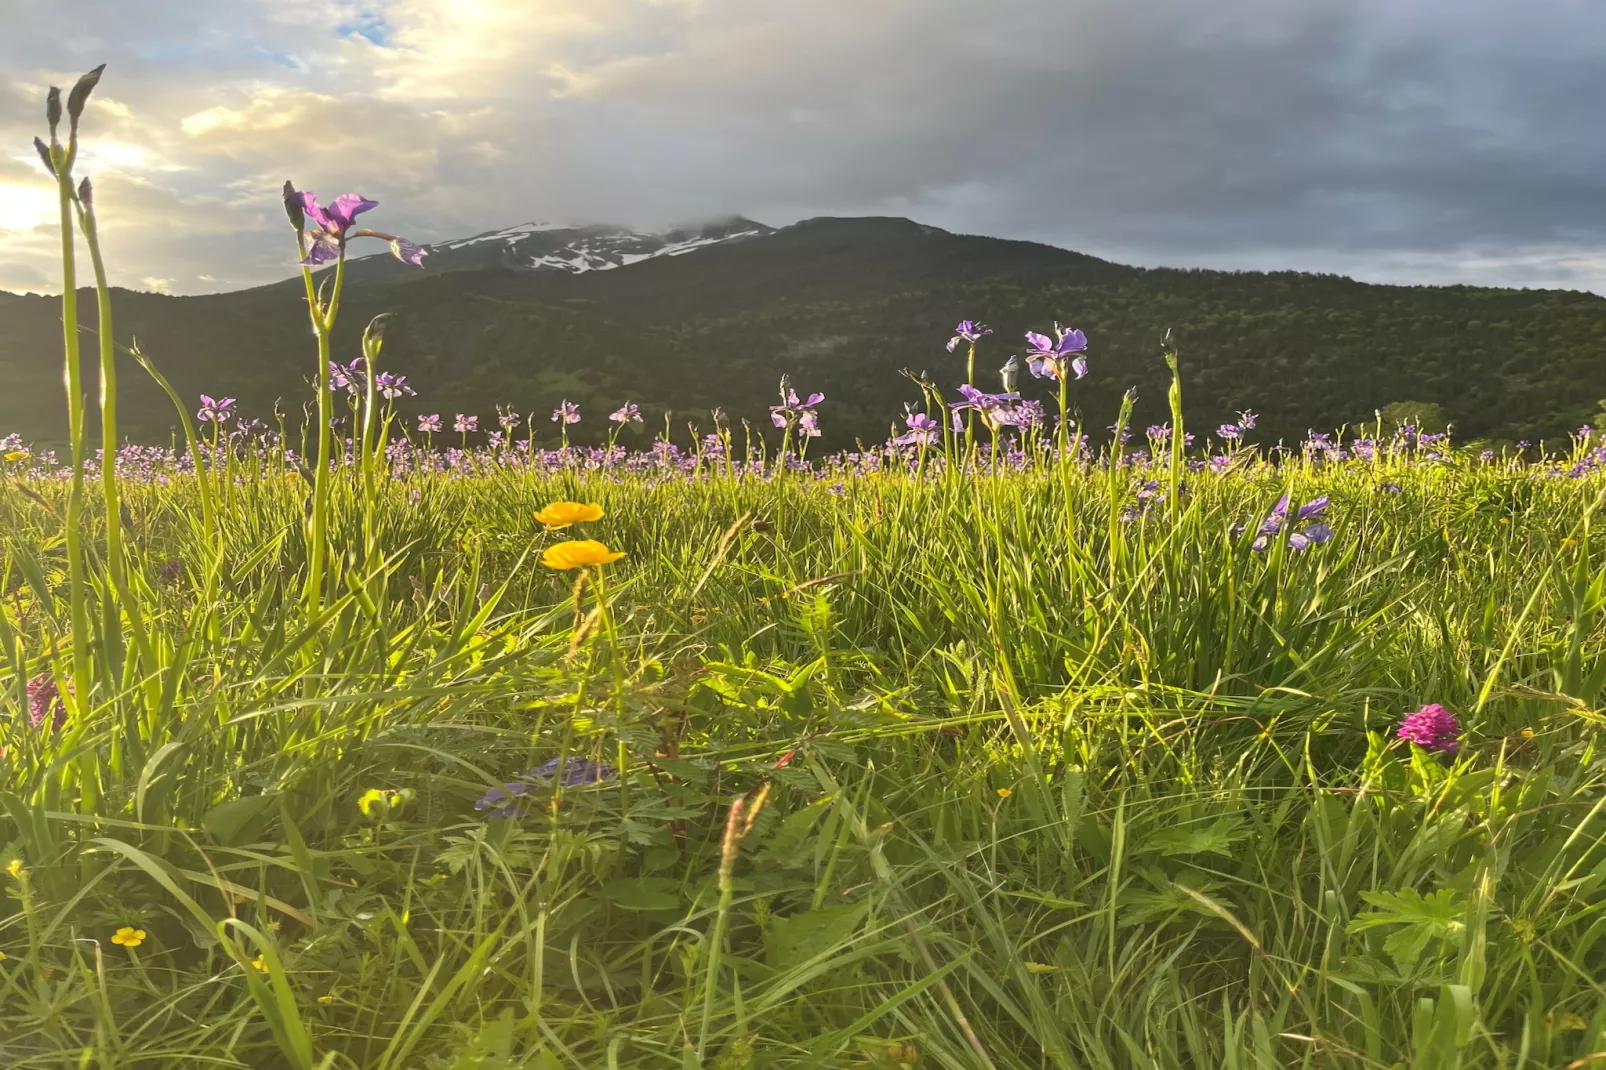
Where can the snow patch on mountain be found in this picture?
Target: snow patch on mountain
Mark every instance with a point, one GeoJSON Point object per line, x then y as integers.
{"type": "Point", "coordinates": [544, 246]}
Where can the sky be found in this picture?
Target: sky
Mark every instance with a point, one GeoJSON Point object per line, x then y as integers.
{"type": "Point", "coordinates": [1412, 141]}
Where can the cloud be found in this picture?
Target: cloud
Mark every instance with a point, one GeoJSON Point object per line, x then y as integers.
{"type": "Point", "coordinates": [1406, 140]}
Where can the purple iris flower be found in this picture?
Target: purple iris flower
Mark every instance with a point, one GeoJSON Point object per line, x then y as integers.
{"type": "Point", "coordinates": [629, 412]}
{"type": "Point", "coordinates": [430, 423]}
{"type": "Point", "coordinates": [44, 700]}
{"type": "Point", "coordinates": [791, 412]}
{"type": "Point", "coordinates": [1048, 359]}
{"type": "Point", "coordinates": [333, 223]}
{"type": "Point", "coordinates": [1246, 420]}
{"type": "Point", "coordinates": [566, 413]}
{"type": "Point", "coordinates": [1311, 534]}
{"type": "Point", "coordinates": [393, 386]}
{"type": "Point", "coordinates": [464, 424]}
{"type": "Point", "coordinates": [407, 252]}
{"type": "Point", "coordinates": [1160, 432]}
{"type": "Point", "coordinates": [923, 431]}
{"type": "Point", "coordinates": [333, 227]}
{"type": "Point", "coordinates": [1229, 432]}
{"type": "Point", "coordinates": [1432, 728]}
{"type": "Point", "coordinates": [990, 407]}
{"type": "Point", "coordinates": [507, 418]}
{"type": "Point", "coordinates": [215, 410]}
{"type": "Point", "coordinates": [967, 331]}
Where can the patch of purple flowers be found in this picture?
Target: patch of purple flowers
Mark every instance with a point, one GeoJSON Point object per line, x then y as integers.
{"type": "Point", "coordinates": [1432, 728]}
{"type": "Point", "coordinates": [1314, 532]}
{"type": "Point", "coordinates": [44, 701]}
{"type": "Point", "coordinates": [506, 800]}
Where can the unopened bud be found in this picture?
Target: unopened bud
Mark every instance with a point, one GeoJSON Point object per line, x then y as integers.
{"type": "Point", "coordinates": [80, 94]}
{"type": "Point", "coordinates": [44, 154]}
{"type": "Point", "coordinates": [53, 109]}
{"type": "Point", "coordinates": [1010, 374]}
{"type": "Point", "coordinates": [293, 207]}
{"type": "Point", "coordinates": [86, 193]}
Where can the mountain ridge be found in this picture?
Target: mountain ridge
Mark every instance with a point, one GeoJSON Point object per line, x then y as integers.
{"type": "Point", "coordinates": [842, 304]}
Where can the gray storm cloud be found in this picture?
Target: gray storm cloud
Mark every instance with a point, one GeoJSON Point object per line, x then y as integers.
{"type": "Point", "coordinates": [1399, 140]}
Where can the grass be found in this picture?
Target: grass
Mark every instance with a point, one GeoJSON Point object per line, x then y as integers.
{"type": "Point", "coordinates": [874, 764]}
{"type": "Point", "coordinates": [1055, 791]}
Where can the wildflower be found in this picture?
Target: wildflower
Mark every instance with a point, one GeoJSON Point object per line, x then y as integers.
{"type": "Point", "coordinates": [3, 956]}
{"type": "Point", "coordinates": [967, 332]}
{"type": "Point", "coordinates": [562, 514]}
{"type": "Point", "coordinates": [1246, 420]}
{"type": "Point", "coordinates": [430, 424]}
{"type": "Point", "coordinates": [129, 937]}
{"type": "Point", "coordinates": [465, 424]}
{"type": "Point", "coordinates": [923, 431]}
{"type": "Point", "coordinates": [1048, 358]}
{"type": "Point", "coordinates": [791, 412]}
{"type": "Point", "coordinates": [334, 227]}
{"type": "Point", "coordinates": [505, 799]}
{"type": "Point", "coordinates": [630, 413]}
{"type": "Point", "coordinates": [1229, 432]}
{"type": "Point", "coordinates": [14, 868]}
{"type": "Point", "coordinates": [259, 965]}
{"type": "Point", "coordinates": [1313, 534]}
{"type": "Point", "coordinates": [578, 553]}
{"type": "Point", "coordinates": [566, 413]}
{"type": "Point", "coordinates": [1004, 793]}
{"type": "Point", "coordinates": [407, 252]}
{"type": "Point", "coordinates": [507, 418]}
{"type": "Point", "coordinates": [327, 998]}
{"type": "Point", "coordinates": [17, 455]}
{"type": "Point", "coordinates": [990, 407]}
{"type": "Point", "coordinates": [1432, 728]}
{"type": "Point", "coordinates": [393, 386]}
{"type": "Point", "coordinates": [44, 700]}
{"type": "Point", "coordinates": [215, 410]}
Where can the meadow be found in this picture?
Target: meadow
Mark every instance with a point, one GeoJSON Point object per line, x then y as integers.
{"type": "Point", "coordinates": [1014, 741]}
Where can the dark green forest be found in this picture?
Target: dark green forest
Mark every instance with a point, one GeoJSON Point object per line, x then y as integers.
{"type": "Point", "coordinates": [842, 305]}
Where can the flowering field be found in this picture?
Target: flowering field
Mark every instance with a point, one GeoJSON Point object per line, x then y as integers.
{"type": "Point", "coordinates": [1020, 740]}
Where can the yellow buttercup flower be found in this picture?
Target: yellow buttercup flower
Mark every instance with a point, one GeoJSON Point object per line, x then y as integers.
{"type": "Point", "coordinates": [578, 553]}
{"type": "Point", "coordinates": [327, 999]}
{"type": "Point", "coordinates": [14, 867]}
{"type": "Point", "coordinates": [1004, 793]}
{"type": "Point", "coordinates": [17, 455]}
{"type": "Point", "coordinates": [129, 937]}
{"type": "Point", "coordinates": [258, 965]}
{"type": "Point", "coordinates": [562, 514]}
{"type": "Point", "coordinates": [3, 956]}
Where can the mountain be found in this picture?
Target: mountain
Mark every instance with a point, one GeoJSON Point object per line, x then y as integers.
{"type": "Point", "coordinates": [709, 316]}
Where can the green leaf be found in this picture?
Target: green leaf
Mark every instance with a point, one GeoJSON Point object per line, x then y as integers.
{"type": "Point", "coordinates": [1216, 838]}
{"type": "Point", "coordinates": [1422, 918]}
{"type": "Point", "coordinates": [793, 941]}
{"type": "Point", "coordinates": [643, 893]}
{"type": "Point", "coordinates": [238, 821]}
